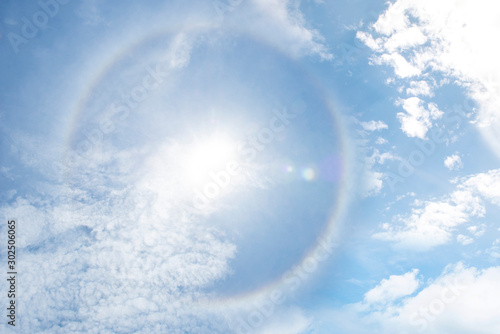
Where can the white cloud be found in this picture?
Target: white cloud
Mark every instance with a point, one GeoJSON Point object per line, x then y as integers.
{"type": "Point", "coordinates": [405, 39]}
{"type": "Point", "coordinates": [374, 125]}
{"type": "Point", "coordinates": [419, 88]}
{"type": "Point", "coordinates": [372, 181]}
{"type": "Point", "coordinates": [463, 300]}
{"type": "Point", "coordinates": [396, 286]}
{"type": "Point", "coordinates": [494, 250]}
{"type": "Point", "coordinates": [402, 67]}
{"type": "Point", "coordinates": [428, 226]}
{"type": "Point", "coordinates": [476, 230]}
{"type": "Point", "coordinates": [111, 244]}
{"type": "Point", "coordinates": [453, 162]}
{"type": "Point", "coordinates": [433, 223]}
{"type": "Point", "coordinates": [392, 20]}
{"type": "Point", "coordinates": [113, 249]}
{"type": "Point", "coordinates": [464, 240]}
{"type": "Point", "coordinates": [460, 300]}
{"type": "Point", "coordinates": [368, 40]}
{"type": "Point", "coordinates": [450, 38]}
{"type": "Point", "coordinates": [417, 120]}
{"type": "Point", "coordinates": [486, 184]}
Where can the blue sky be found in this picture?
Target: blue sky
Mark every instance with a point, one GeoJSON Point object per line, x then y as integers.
{"type": "Point", "coordinates": [252, 166]}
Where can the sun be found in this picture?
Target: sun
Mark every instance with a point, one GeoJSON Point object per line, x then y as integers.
{"type": "Point", "coordinates": [208, 155]}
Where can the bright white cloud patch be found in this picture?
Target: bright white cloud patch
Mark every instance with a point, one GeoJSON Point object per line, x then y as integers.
{"type": "Point", "coordinates": [453, 162]}
{"type": "Point", "coordinates": [486, 184]}
{"type": "Point", "coordinates": [396, 286]}
{"type": "Point", "coordinates": [460, 300]}
{"type": "Point", "coordinates": [433, 223]}
{"type": "Point", "coordinates": [450, 38]}
{"type": "Point", "coordinates": [418, 118]}
{"type": "Point", "coordinates": [419, 88]}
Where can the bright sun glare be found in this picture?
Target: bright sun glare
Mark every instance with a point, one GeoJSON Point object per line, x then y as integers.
{"type": "Point", "coordinates": [209, 155]}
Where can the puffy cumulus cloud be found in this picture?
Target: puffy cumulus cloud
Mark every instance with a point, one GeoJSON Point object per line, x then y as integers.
{"type": "Point", "coordinates": [419, 88]}
{"type": "Point", "coordinates": [486, 184]}
{"type": "Point", "coordinates": [280, 23]}
{"type": "Point", "coordinates": [418, 119]}
{"type": "Point", "coordinates": [451, 38]}
{"type": "Point", "coordinates": [396, 286]}
{"type": "Point", "coordinates": [121, 257]}
{"type": "Point", "coordinates": [453, 162]}
{"type": "Point", "coordinates": [433, 223]}
{"type": "Point", "coordinates": [402, 67]}
{"type": "Point", "coordinates": [460, 300]}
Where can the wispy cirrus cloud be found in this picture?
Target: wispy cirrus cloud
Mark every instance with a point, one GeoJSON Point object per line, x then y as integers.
{"type": "Point", "coordinates": [280, 23]}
